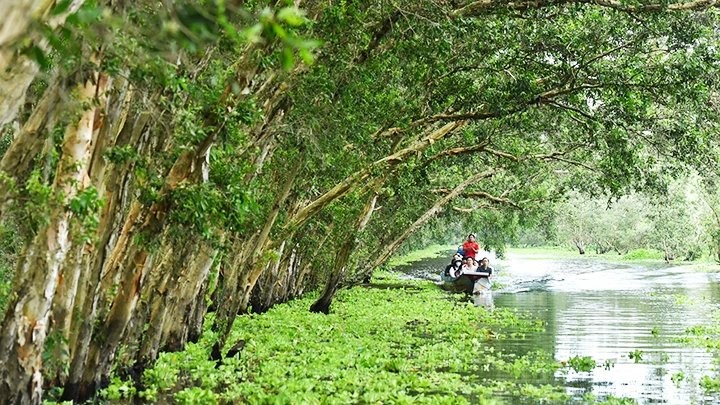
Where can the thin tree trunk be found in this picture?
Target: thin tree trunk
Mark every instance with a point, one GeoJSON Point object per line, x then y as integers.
{"type": "Point", "coordinates": [263, 296]}
{"type": "Point", "coordinates": [243, 275]}
{"type": "Point", "coordinates": [580, 246]}
{"type": "Point", "coordinates": [342, 257]}
{"type": "Point", "coordinates": [424, 218]}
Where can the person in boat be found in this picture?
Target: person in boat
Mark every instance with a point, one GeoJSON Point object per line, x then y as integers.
{"type": "Point", "coordinates": [471, 247]}
{"type": "Point", "coordinates": [454, 269]}
{"type": "Point", "coordinates": [470, 265]}
{"type": "Point", "coordinates": [482, 283]}
{"type": "Point", "coordinates": [484, 266]}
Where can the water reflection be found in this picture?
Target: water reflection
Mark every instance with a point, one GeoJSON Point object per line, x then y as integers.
{"type": "Point", "coordinates": [484, 299]}
{"type": "Point", "coordinates": [627, 317]}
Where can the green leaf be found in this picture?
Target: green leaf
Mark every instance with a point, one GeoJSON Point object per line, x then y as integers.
{"type": "Point", "coordinates": [287, 58]}
{"type": "Point", "coordinates": [35, 53]}
{"type": "Point", "coordinates": [61, 7]}
{"type": "Point", "coordinates": [306, 56]}
{"type": "Point", "coordinates": [291, 16]}
{"type": "Point", "coordinates": [252, 33]}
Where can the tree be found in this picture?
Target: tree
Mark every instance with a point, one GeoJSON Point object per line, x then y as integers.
{"type": "Point", "coordinates": [183, 152]}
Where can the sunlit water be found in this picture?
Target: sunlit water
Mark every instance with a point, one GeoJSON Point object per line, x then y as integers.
{"type": "Point", "coordinates": [606, 311]}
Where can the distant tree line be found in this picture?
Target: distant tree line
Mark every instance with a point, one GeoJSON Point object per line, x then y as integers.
{"type": "Point", "coordinates": [681, 222]}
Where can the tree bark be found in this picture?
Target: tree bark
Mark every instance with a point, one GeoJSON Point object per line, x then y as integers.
{"type": "Point", "coordinates": [116, 192]}
{"type": "Point", "coordinates": [342, 257]}
{"type": "Point", "coordinates": [580, 246]}
{"type": "Point", "coordinates": [25, 327]}
{"type": "Point", "coordinates": [17, 71]}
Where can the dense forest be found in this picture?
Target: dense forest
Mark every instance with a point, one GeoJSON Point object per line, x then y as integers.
{"type": "Point", "coordinates": [165, 160]}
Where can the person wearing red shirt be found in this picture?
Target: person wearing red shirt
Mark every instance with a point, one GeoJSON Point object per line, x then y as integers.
{"type": "Point", "coordinates": [471, 247]}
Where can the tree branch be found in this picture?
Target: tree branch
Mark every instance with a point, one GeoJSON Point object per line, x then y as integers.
{"type": "Point", "coordinates": [352, 181]}
{"type": "Point", "coordinates": [463, 150]}
{"type": "Point", "coordinates": [482, 195]}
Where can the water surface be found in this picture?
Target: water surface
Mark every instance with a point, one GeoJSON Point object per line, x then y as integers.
{"type": "Point", "coordinates": [607, 311]}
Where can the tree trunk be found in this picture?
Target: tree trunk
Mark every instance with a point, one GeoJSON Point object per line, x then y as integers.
{"type": "Point", "coordinates": [424, 218]}
{"type": "Point", "coordinates": [25, 327]}
{"type": "Point", "coordinates": [342, 257]}
{"type": "Point", "coordinates": [29, 141]}
{"type": "Point", "coordinates": [241, 277]}
{"type": "Point", "coordinates": [115, 190]}
{"type": "Point", "coordinates": [580, 246]}
{"type": "Point", "coordinates": [17, 71]}
{"type": "Point", "coordinates": [264, 295]}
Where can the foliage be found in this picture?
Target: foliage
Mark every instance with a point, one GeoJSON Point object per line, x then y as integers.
{"type": "Point", "coordinates": [10, 242]}
{"type": "Point", "coordinates": [710, 384]}
{"type": "Point", "coordinates": [638, 226]}
{"type": "Point", "coordinates": [262, 125]}
{"type": "Point", "coordinates": [613, 400]}
{"type": "Point", "coordinates": [643, 254]}
{"type": "Point", "coordinates": [86, 207]}
{"type": "Point", "coordinates": [406, 343]}
{"type": "Point", "coordinates": [582, 363]}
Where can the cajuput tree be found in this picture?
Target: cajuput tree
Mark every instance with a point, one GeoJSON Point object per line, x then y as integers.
{"type": "Point", "coordinates": [172, 159]}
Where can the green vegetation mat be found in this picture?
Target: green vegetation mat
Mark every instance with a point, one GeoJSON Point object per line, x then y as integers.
{"type": "Point", "coordinates": [395, 341]}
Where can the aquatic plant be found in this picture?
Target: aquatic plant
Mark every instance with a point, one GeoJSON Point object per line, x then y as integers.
{"type": "Point", "coordinates": [394, 341]}
{"type": "Point", "coordinates": [677, 377]}
{"type": "Point", "coordinates": [582, 363]}
{"type": "Point", "coordinates": [636, 355]}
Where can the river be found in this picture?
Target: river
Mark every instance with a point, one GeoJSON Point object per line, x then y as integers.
{"type": "Point", "coordinates": [614, 313]}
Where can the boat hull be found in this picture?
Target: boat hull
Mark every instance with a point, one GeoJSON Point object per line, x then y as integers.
{"type": "Point", "coordinates": [464, 283]}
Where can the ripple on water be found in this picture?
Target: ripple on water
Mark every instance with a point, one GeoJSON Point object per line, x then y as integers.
{"type": "Point", "coordinates": [627, 317]}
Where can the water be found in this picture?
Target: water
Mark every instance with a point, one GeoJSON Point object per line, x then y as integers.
{"type": "Point", "coordinates": [608, 311]}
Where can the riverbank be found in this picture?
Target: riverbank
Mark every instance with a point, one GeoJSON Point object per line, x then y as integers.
{"type": "Point", "coordinates": [647, 256]}
{"type": "Point", "coordinates": [556, 252]}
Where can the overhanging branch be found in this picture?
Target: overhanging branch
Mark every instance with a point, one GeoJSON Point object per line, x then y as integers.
{"type": "Point", "coordinates": [481, 195]}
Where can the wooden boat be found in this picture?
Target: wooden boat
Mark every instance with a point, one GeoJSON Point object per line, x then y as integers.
{"type": "Point", "coordinates": [469, 282]}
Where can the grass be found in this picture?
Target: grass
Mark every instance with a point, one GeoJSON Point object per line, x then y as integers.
{"type": "Point", "coordinates": [428, 252]}
{"type": "Point", "coordinates": [706, 263]}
